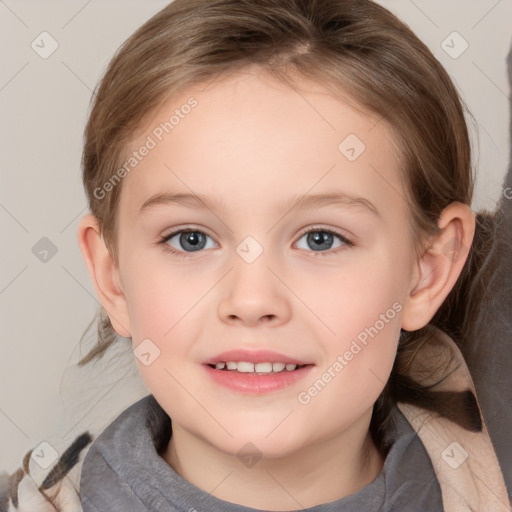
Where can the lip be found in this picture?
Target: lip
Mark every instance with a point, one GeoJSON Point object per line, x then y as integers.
{"type": "Point", "coordinates": [254, 356]}
{"type": "Point", "coordinates": [254, 383]}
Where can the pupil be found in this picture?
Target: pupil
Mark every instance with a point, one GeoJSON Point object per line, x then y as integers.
{"type": "Point", "coordinates": [192, 239]}
{"type": "Point", "coordinates": [318, 238]}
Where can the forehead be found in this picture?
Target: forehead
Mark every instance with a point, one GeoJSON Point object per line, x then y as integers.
{"type": "Point", "coordinates": [247, 138]}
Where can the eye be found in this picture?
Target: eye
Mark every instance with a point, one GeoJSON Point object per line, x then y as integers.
{"type": "Point", "coordinates": [191, 240]}
{"type": "Point", "coordinates": [322, 239]}
{"type": "Point", "coordinates": [187, 240]}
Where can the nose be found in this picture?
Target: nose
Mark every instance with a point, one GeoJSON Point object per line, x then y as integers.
{"type": "Point", "coordinates": [254, 294]}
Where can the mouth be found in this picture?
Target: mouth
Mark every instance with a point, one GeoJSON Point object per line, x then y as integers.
{"type": "Point", "coordinates": [255, 372]}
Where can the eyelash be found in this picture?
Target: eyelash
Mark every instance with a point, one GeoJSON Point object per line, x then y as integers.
{"type": "Point", "coordinates": [185, 255]}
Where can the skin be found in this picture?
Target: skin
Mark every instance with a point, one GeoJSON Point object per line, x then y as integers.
{"type": "Point", "coordinates": [254, 142]}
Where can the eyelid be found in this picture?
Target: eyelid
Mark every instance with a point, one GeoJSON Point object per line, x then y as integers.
{"type": "Point", "coordinates": [327, 230]}
{"type": "Point", "coordinates": [186, 228]}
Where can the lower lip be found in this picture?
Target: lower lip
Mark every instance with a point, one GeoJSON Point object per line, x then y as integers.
{"type": "Point", "coordinates": [253, 383]}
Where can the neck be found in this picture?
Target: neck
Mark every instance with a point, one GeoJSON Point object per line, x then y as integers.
{"type": "Point", "coordinates": [324, 471]}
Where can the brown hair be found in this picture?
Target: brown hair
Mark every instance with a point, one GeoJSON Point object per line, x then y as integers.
{"type": "Point", "coordinates": [355, 45]}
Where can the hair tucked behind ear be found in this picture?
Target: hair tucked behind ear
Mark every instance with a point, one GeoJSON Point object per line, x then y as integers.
{"type": "Point", "coordinates": [355, 47]}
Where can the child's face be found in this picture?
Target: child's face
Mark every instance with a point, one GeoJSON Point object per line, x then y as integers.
{"type": "Point", "coordinates": [251, 144]}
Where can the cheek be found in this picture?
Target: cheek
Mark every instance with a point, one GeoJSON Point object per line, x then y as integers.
{"type": "Point", "coordinates": [360, 308]}
{"type": "Point", "coordinates": [165, 309]}
{"type": "Point", "coordinates": [357, 361]}
{"type": "Point", "coordinates": [355, 296]}
{"type": "Point", "coordinates": [161, 298]}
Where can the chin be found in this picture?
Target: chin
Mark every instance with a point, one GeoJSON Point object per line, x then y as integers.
{"type": "Point", "coordinates": [258, 443]}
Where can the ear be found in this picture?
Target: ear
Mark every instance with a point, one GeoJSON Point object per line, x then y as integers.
{"type": "Point", "coordinates": [438, 269]}
{"type": "Point", "coordinates": [104, 274]}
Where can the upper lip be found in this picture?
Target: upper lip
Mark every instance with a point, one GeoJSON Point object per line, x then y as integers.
{"type": "Point", "coordinates": [254, 356]}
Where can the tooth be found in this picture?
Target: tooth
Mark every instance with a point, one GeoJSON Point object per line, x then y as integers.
{"type": "Point", "coordinates": [278, 367]}
{"type": "Point", "coordinates": [245, 367]}
{"type": "Point", "coordinates": [263, 367]}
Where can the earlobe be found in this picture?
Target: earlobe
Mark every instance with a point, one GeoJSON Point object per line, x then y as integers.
{"type": "Point", "coordinates": [438, 269]}
{"type": "Point", "coordinates": [104, 274]}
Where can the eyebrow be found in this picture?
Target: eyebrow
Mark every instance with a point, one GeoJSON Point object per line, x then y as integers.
{"type": "Point", "coordinates": [294, 202]}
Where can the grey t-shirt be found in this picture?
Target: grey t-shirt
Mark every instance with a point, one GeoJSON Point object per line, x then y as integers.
{"type": "Point", "coordinates": [124, 472]}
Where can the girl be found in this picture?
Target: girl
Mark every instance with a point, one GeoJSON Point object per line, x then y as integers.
{"type": "Point", "coordinates": [280, 222]}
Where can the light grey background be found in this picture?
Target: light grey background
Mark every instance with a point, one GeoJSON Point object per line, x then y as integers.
{"type": "Point", "coordinates": [46, 306]}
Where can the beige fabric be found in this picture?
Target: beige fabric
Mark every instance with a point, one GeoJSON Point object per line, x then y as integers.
{"type": "Point", "coordinates": [465, 462]}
